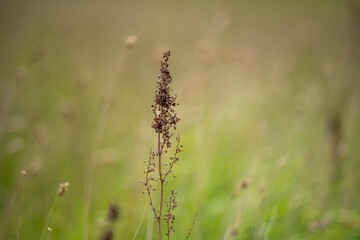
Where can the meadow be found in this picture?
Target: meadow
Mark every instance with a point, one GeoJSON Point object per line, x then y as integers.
{"type": "Point", "coordinates": [268, 95]}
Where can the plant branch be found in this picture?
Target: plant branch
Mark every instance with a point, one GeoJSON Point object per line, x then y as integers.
{"type": "Point", "coordinates": [161, 187]}
{"type": "Point", "coordinates": [192, 226]}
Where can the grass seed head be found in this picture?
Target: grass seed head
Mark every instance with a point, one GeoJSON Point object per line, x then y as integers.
{"type": "Point", "coordinates": [63, 188]}
{"type": "Point", "coordinates": [130, 41]}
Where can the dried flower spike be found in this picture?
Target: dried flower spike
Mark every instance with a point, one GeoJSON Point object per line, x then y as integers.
{"type": "Point", "coordinates": [161, 162]}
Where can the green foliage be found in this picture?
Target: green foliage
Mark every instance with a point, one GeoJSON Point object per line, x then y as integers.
{"type": "Point", "coordinates": [257, 88]}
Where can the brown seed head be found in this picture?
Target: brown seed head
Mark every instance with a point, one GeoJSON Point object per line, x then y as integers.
{"type": "Point", "coordinates": [107, 235]}
{"type": "Point", "coordinates": [113, 213]}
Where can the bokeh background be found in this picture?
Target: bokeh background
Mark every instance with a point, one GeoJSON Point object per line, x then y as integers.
{"type": "Point", "coordinates": [269, 108]}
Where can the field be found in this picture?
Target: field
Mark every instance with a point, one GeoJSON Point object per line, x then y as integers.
{"type": "Point", "coordinates": [269, 104]}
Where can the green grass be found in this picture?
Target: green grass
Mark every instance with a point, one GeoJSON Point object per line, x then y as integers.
{"type": "Point", "coordinates": [255, 100]}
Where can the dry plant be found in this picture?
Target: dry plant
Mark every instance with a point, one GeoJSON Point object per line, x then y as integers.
{"type": "Point", "coordinates": [63, 188]}
{"type": "Point", "coordinates": [113, 215]}
{"type": "Point", "coordinates": [161, 162]}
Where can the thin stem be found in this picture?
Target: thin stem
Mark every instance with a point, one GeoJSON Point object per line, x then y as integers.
{"type": "Point", "coordinates": [147, 184]}
{"type": "Point", "coordinates": [21, 207]}
{"type": "Point", "coordinates": [171, 165]}
{"type": "Point", "coordinates": [49, 217]}
{"type": "Point", "coordinates": [161, 187]}
{"type": "Point", "coordinates": [141, 220]}
{"type": "Point", "coordinates": [168, 229]}
{"type": "Point", "coordinates": [192, 226]}
{"type": "Point", "coordinates": [99, 135]}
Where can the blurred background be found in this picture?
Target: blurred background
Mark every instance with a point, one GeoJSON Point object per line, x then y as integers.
{"type": "Point", "coordinates": [269, 108]}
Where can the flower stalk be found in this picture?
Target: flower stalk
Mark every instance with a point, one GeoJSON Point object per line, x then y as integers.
{"type": "Point", "coordinates": [161, 162]}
